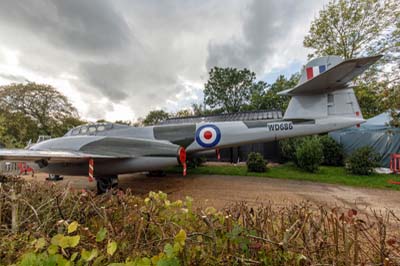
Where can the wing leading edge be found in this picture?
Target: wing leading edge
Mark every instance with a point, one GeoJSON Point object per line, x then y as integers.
{"type": "Point", "coordinates": [36, 155]}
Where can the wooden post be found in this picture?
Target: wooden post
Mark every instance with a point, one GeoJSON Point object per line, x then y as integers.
{"type": "Point", "coordinates": [14, 211]}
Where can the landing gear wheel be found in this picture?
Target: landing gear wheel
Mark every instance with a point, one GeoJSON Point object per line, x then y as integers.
{"type": "Point", "coordinates": [157, 173]}
{"type": "Point", "coordinates": [106, 183]}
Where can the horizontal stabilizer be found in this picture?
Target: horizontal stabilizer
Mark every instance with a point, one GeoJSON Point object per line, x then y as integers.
{"type": "Point", "coordinates": [334, 78]}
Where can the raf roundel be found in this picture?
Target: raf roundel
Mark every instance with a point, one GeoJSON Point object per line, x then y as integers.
{"type": "Point", "coordinates": [208, 136]}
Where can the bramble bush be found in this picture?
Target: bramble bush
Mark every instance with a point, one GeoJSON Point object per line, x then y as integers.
{"type": "Point", "coordinates": [363, 161]}
{"type": "Point", "coordinates": [256, 163]}
{"type": "Point", "coordinates": [55, 225]}
{"type": "Point", "coordinates": [309, 154]}
{"type": "Point", "coordinates": [332, 151]}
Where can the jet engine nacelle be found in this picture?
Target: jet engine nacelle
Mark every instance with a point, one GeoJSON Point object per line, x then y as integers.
{"type": "Point", "coordinates": [113, 167]}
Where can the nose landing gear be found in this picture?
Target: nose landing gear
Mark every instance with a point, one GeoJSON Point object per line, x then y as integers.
{"type": "Point", "coordinates": [106, 183]}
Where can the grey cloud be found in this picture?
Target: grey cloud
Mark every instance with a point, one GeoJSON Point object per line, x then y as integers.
{"type": "Point", "coordinates": [83, 26]}
{"type": "Point", "coordinates": [141, 53]}
{"type": "Point", "coordinates": [14, 78]}
{"type": "Point", "coordinates": [108, 78]}
{"type": "Point", "coordinates": [265, 26]}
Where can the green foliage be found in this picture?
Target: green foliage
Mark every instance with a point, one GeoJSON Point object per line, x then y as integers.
{"type": "Point", "coordinates": [231, 89]}
{"type": "Point", "coordinates": [370, 98]}
{"type": "Point", "coordinates": [309, 154]}
{"type": "Point", "coordinates": [289, 171]}
{"type": "Point", "coordinates": [256, 163]}
{"type": "Point", "coordinates": [16, 129]}
{"type": "Point", "coordinates": [332, 151]}
{"type": "Point", "coordinates": [184, 113]}
{"type": "Point", "coordinates": [29, 110]}
{"type": "Point", "coordinates": [363, 161]}
{"type": "Point", "coordinates": [351, 28]}
{"type": "Point", "coordinates": [101, 234]}
{"type": "Point", "coordinates": [155, 231]}
{"type": "Point", "coordinates": [288, 148]}
{"type": "Point", "coordinates": [269, 99]}
{"type": "Point", "coordinates": [202, 110]}
{"type": "Point", "coordinates": [155, 117]}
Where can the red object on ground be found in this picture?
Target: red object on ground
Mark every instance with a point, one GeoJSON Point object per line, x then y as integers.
{"type": "Point", "coordinates": [395, 167]}
{"type": "Point", "coordinates": [390, 181]}
{"type": "Point", "coordinates": [24, 168]}
{"type": "Point", "coordinates": [395, 163]}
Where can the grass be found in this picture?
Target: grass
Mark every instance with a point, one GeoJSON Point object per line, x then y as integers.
{"type": "Point", "coordinates": [326, 174]}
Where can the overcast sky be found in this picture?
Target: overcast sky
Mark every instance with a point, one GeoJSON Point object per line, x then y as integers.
{"type": "Point", "coordinates": [120, 59]}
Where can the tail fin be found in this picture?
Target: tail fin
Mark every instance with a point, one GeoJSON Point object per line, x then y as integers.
{"type": "Point", "coordinates": [324, 90]}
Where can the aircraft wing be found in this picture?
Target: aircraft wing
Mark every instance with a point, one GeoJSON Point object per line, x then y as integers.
{"type": "Point", "coordinates": [37, 155]}
{"type": "Point", "coordinates": [334, 78]}
{"type": "Point", "coordinates": [72, 149]}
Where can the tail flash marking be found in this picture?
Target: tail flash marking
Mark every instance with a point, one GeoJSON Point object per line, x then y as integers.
{"type": "Point", "coordinates": [314, 71]}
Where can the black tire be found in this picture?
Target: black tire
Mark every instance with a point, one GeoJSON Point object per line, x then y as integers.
{"type": "Point", "coordinates": [157, 173]}
{"type": "Point", "coordinates": [106, 183]}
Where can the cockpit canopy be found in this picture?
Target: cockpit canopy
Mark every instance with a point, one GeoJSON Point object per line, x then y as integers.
{"type": "Point", "coordinates": [93, 129]}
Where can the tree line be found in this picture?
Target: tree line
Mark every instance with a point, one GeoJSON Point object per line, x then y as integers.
{"type": "Point", "coordinates": [348, 28]}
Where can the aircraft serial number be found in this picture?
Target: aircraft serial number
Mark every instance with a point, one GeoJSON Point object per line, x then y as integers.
{"type": "Point", "coordinates": [280, 126]}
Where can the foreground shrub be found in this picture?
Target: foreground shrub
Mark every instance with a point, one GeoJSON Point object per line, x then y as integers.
{"type": "Point", "coordinates": [256, 163]}
{"type": "Point", "coordinates": [363, 161]}
{"type": "Point", "coordinates": [60, 226]}
{"type": "Point", "coordinates": [287, 148]}
{"type": "Point", "coordinates": [309, 154]}
{"type": "Point", "coordinates": [332, 151]}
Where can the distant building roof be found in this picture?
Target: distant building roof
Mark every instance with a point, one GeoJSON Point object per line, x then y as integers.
{"type": "Point", "coordinates": [242, 116]}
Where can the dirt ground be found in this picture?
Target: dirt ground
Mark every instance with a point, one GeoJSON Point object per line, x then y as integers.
{"type": "Point", "coordinates": [220, 191]}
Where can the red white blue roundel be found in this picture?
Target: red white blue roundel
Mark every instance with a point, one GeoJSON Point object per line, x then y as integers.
{"type": "Point", "coordinates": [208, 136]}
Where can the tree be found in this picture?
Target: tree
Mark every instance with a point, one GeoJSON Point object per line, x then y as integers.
{"type": "Point", "coordinates": [60, 127]}
{"type": "Point", "coordinates": [230, 89]}
{"type": "Point", "coordinates": [201, 110]}
{"type": "Point", "coordinates": [269, 99]}
{"type": "Point", "coordinates": [353, 28]}
{"type": "Point", "coordinates": [155, 117]}
{"type": "Point", "coordinates": [184, 113]}
{"type": "Point", "coordinates": [123, 122]}
{"type": "Point", "coordinates": [49, 109]}
{"type": "Point", "coordinates": [16, 129]}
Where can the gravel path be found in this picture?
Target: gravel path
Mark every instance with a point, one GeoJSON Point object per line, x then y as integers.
{"type": "Point", "coordinates": [220, 191]}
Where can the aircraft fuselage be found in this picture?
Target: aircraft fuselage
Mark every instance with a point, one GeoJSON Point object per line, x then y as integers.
{"type": "Point", "coordinates": [193, 137]}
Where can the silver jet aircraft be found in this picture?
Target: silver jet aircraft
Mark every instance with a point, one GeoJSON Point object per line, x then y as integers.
{"type": "Point", "coordinates": [323, 101]}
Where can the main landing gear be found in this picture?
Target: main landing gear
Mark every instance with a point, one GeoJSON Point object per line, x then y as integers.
{"type": "Point", "coordinates": [106, 183]}
{"type": "Point", "coordinates": [157, 173]}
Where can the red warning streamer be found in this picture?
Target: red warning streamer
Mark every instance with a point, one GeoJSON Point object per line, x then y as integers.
{"type": "Point", "coordinates": [91, 170]}
{"type": "Point", "coordinates": [182, 159]}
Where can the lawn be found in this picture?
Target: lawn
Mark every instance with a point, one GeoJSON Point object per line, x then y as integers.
{"type": "Point", "coordinates": [326, 174]}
